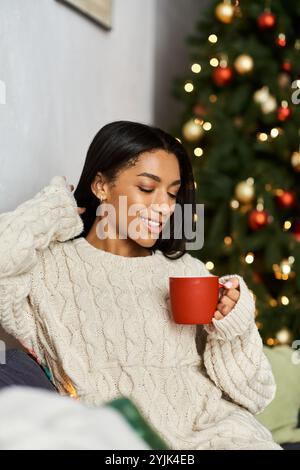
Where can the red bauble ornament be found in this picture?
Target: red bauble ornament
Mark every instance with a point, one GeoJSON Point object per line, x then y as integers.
{"type": "Point", "coordinates": [266, 20]}
{"type": "Point", "coordinates": [283, 113]}
{"type": "Point", "coordinates": [296, 231]}
{"type": "Point", "coordinates": [222, 75]}
{"type": "Point", "coordinates": [258, 219]}
{"type": "Point", "coordinates": [286, 199]}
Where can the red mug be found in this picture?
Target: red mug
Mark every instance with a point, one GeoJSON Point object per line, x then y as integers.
{"type": "Point", "coordinates": [194, 299]}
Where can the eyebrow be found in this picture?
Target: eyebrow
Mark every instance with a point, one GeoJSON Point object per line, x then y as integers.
{"type": "Point", "coordinates": [157, 178]}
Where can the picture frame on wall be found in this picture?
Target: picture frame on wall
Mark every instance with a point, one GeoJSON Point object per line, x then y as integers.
{"type": "Point", "coordinates": [99, 11]}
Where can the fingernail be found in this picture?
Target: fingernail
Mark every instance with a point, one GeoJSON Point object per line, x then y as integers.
{"type": "Point", "coordinates": [228, 284]}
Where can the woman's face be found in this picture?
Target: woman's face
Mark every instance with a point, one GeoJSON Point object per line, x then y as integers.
{"type": "Point", "coordinates": [144, 191]}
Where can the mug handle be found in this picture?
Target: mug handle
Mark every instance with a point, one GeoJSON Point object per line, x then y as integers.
{"type": "Point", "coordinates": [221, 286]}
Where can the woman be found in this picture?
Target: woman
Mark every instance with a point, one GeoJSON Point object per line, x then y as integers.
{"type": "Point", "coordinates": [95, 309]}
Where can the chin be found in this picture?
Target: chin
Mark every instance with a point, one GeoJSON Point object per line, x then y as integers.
{"type": "Point", "coordinates": [146, 242]}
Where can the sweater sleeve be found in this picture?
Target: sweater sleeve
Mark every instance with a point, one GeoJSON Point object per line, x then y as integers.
{"type": "Point", "coordinates": [233, 355]}
{"type": "Point", "coordinates": [51, 215]}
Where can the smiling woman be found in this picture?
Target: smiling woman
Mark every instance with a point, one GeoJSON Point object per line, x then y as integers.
{"type": "Point", "coordinates": [96, 312]}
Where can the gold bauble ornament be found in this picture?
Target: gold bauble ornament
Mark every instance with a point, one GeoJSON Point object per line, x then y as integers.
{"type": "Point", "coordinates": [244, 191]}
{"type": "Point", "coordinates": [295, 161]}
{"type": "Point", "coordinates": [224, 12]}
{"type": "Point", "coordinates": [192, 130]}
{"type": "Point", "coordinates": [244, 64]}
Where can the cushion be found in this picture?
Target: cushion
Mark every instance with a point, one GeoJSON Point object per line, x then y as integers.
{"type": "Point", "coordinates": [281, 415]}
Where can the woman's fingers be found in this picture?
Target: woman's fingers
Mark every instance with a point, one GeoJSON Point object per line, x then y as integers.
{"type": "Point", "coordinates": [80, 210]}
{"type": "Point", "coordinates": [218, 315]}
{"type": "Point", "coordinates": [233, 294]}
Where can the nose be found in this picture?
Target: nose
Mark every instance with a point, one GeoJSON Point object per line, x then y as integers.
{"type": "Point", "coordinates": [161, 207]}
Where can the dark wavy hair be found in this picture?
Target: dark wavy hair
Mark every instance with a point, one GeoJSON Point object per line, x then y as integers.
{"type": "Point", "coordinates": [117, 146]}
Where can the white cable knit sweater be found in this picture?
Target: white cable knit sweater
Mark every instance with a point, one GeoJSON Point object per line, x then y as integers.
{"type": "Point", "coordinates": [102, 324]}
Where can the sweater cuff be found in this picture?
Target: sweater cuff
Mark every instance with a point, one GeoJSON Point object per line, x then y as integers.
{"type": "Point", "coordinates": [67, 219]}
{"type": "Point", "coordinates": [238, 320]}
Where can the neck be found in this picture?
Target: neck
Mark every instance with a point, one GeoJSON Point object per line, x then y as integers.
{"type": "Point", "coordinates": [121, 247]}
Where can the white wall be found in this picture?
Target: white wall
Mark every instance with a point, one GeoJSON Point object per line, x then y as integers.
{"type": "Point", "coordinates": [65, 78]}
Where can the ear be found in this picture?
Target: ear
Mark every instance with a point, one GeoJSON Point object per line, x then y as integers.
{"type": "Point", "coordinates": [98, 186]}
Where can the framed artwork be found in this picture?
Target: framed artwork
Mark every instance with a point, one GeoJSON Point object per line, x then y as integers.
{"type": "Point", "coordinates": [99, 11]}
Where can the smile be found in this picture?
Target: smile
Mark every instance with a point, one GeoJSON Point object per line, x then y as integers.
{"type": "Point", "coordinates": [151, 225]}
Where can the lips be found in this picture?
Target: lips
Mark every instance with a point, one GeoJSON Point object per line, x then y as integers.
{"type": "Point", "coordinates": [152, 225]}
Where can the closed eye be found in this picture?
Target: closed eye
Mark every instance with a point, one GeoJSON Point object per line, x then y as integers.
{"type": "Point", "coordinates": [173, 196]}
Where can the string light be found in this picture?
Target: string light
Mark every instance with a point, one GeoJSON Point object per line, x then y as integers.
{"type": "Point", "coordinates": [214, 62]}
{"type": "Point", "coordinates": [285, 300]}
{"type": "Point", "coordinates": [249, 258]}
{"type": "Point", "coordinates": [284, 270]}
{"type": "Point", "coordinates": [260, 204]}
{"type": "Point", "coordinates": [209, 265]}
{"type": "Point", "coordinates": [196, 68]}
{"type": "Point", "coordinates": [213, 98]}
{"type": "Point", "coordinates": [207, 126]}
{"type": "Point", "coordinates": [270, 341]}
{"type": "Point", "coordinates": [287, 225]}
{"type": "Point", "coordinates": [274, 132]}
{"type": "Point", "coordinates": [227, 241]}
{"type": "Point", "coordinates": [198, 152]}
{"type": "Point", "coordinates": [262, 136]}
{"type": "Point", "coordinates": [213, 38]}
{"type": "Point", "coordinates": [189, 87]}
{"type": "Point", "coordinates": [234, 204]}
{"type": "Point", "coordinates": [273, 302]}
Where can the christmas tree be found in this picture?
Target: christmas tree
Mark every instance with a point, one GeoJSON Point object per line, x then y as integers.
{"type": "Point", "coordinates": [241, 126]}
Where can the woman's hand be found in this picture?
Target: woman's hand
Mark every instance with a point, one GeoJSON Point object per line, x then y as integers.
{"type": "Point", "coordinates": [229, 299]}
{"type": "Point", "coordinates": [80, 210]}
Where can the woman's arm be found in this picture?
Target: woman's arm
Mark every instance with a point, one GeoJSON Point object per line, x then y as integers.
{"type": "Point", "coordinates": [50, 215]}
{"type": "Point", "coordinates": [232, 350]}
{"type": "Point", "coordinates": [234, 357]}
